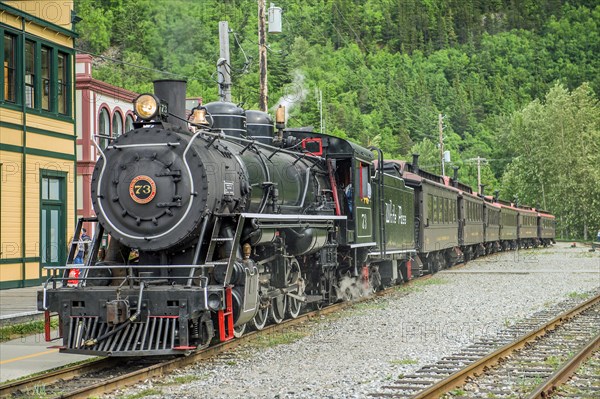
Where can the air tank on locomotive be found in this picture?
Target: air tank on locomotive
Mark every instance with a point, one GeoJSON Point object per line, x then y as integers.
{"type": "Point", "coordinates": [227, 118]}
{"type": "Point", "coordinates": [260, 126]}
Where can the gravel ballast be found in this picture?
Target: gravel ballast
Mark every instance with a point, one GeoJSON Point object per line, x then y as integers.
{"type": "Point", "coordinates": [362, 348]}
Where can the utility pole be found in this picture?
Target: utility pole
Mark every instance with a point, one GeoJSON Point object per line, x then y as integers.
{"type": "Point", "coordinates": [262, 57]}
{"type": "Point", "coordinates": [478, 174]}
{"type": "Point", "coordinates": [479, 162]}
{"type": "Point", "coordinates": [441, 127]}
{"type": "Point", "coordinates": [224, 65]}
{"type": "Point", "coordinates": [320, 103]}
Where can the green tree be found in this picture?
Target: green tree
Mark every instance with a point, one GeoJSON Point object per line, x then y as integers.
{"type": "Point", "coordinates": [557, 148]}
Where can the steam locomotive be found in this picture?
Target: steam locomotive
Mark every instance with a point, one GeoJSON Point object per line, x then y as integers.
{"type": "Point", "coordinates": [222, 220]}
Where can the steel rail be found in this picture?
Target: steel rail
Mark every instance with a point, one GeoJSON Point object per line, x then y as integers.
{"type": "Point", "coordinates": [22, 385]}
{"type": "Point", "coordinates": [459, 378]}
{"type": "Point", "coordinates": [560, 376]}
{"type": "Point", "coordinates": [161, 368]}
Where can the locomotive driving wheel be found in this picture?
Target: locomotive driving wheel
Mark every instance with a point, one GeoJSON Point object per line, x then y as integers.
{"type": "Point", "coordinates": [262, 316]}
{"type": "Point", "coordinates": [293, 276]}
{"type": "Point", "coordinates": [238, 331]}
{"type": "Point", "coordinates": [278, 305]}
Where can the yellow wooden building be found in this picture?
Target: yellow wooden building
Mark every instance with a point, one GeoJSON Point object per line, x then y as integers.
{"type": "Point", "coordinates": [37, 138]}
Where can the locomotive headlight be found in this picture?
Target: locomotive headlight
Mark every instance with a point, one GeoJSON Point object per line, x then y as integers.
{"type": "Point", "coordinates": [214, 302]}
{"type": "Point", "coordinates": [146, 106]}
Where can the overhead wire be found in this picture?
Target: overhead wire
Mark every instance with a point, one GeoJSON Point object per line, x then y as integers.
{"type": "Point", "coordinates": [104, 57]}
{"type": "Point", "coordinates": [117, 61]}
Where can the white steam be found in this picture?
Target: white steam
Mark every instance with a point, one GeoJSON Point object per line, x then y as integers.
{"type": "Point", "coordinates": [294, 94]}
{"type": "Point", "coordinates": [352, 288]}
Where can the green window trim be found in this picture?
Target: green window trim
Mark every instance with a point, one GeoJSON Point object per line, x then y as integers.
{"type": "Point", "coordinates": [38, 131]}
{"type": "Point", "coordinates": [4, 285]}
{"type": "Point", "coordinates": [62, 202]}
{"type": "Point", "coordinates": [52, 91]}
{"type": "Point", "coordinates": [36, 151]}
{"type": "Point", "coordinates": [10, 67]}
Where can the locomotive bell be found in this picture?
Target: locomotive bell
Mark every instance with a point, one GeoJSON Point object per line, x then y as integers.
{"type": "Point", "coordinates": [199, 117]}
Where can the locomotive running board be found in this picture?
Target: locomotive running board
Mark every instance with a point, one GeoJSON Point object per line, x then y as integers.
{"type": "Point", "coordinates": [294, 218]}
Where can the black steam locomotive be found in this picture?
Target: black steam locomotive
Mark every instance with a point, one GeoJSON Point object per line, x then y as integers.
{"type": "Point", "coordinates": [220, 220]}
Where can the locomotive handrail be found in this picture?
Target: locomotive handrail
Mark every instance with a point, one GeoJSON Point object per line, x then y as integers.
{"type": "Point", "coordinates": [270, 216]}
{"type": "Point", "coordinates": [198, 247]}
{"type": "Point", "coordinates": [305, 186]}
{"type": "Point", "coordinates": [270, 147]}
{"type": "Point", "coordinates": [169, 144]}
{"type": "Point", "coordinates": [382, 246]}
{"type": "Point", "coordinates": [112, 266]}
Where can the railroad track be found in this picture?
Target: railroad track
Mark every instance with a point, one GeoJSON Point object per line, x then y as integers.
{"type": "Point", "coordinates": [522, 361]}
{"type": "Point", "coordinates": [584, 381]}
{"type": "Point", "coordinates": [105, 375]}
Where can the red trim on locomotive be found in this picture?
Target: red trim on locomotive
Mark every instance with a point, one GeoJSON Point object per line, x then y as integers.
{"type": "Point", "coordinates": [317, 140]}
{"type": "Point", "coordinates": [226, 317]}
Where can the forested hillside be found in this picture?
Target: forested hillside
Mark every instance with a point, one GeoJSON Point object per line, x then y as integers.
{"type": "Point", "coordinates": [517, 80]}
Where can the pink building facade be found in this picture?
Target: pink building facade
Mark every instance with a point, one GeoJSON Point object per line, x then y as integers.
{"type": "Point", "coordinates": [102, 110]}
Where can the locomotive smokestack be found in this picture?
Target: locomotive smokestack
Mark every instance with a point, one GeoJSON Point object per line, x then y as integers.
{"type": "Point", "coordinates": [455, 176]}
{"type": "Point", "coordinates": [415, 163]}
{"type": "Point", "coordinates": [173, 93]}
{"type": "Point", "coordinates": [496, 194]}
{"type": "Point", "coordinates": [482, 190]}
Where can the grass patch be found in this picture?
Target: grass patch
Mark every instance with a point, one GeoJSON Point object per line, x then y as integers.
{"type": "Point", "coordinates": [457, 392]}
{"type": "Point", "coordinates": [404, 362]}
{"type": "Point", "coordinates": [279, 338]}
{"type": "Point", "coordinates": [38, 392]}
{"type": "Point", "coordinates": [18, 330]}
{"type": "Point", "coordinates": [370, 305]}
{"type": "Point", "coordinates": [579, 295]}
{"type": "Point", "coordinates": [553, 361]}
{"type": "Point", "coordinates": [182, 379]}
{"type": "Point", "coordinates": [143, 394]}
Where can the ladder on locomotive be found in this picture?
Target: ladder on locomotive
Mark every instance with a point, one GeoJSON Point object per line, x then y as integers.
{"type": "Point", "coordinates": [225, 317]}
{"type": "Point", "coordinates": [75, 276]}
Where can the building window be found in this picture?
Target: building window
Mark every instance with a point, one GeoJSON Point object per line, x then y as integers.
{"type": "Point", "coordinates": [117, 124]}
{"type": "Point", "coordinates": [46, 74]}
{"type": "Point", "coordinates": [30, 82]}
{"type": "Point", "coordinates": [103, 127]}
{"type": "Point", "coordinates": [10, 68]}
{"type": "Point", "coordinates": [62, 84]}
{"type": "Point", "coordinates": [51, 189]}
{"type": "Point", "coordinates": [128, 123]}
{"type": "Point", "coordinates": [52, 218]}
